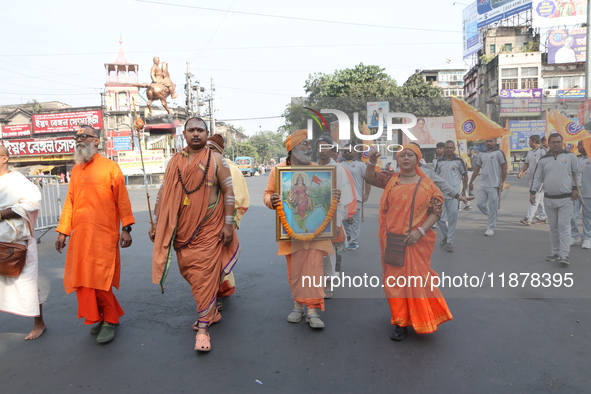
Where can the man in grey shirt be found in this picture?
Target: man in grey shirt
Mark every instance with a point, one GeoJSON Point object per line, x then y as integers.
{"type": "Point", "coordinates": [585, 164]}
{"type": "Point", "coordinates": [452, 169]}
{"type": "Point", "coordinates": [531, 161]}
{"type": "Point", "coordinates": [492, 164]}
{"type": "Point", "coordinates": [559, 172]}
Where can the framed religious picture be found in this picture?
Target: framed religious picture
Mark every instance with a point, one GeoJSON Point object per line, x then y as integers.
{"type": "Point", "coordinates": [308, 210]}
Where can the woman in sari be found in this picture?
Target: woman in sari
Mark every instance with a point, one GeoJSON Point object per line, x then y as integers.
{"type": "Point", "coordinates": [412, 303]}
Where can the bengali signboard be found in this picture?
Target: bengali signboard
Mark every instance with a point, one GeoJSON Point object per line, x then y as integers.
{"type": "Point", "coordinates": [491, 11]}
{"type": "Point", "coordinates": [567, 45]}
{"type": "Point", "coordinates": [16, 130]}
{"type": "Point", "coordinates": [472, 40]}
{"type": "Point", "coordinates": [522, 130]}
{"type": "Point", "coordinates": [131, 162]}
{"type": "Point", "coordinates": [31, 147]}
{"type": "Point", "coordinates": [521, 102]}
{"type": "Point", "coordinates": [66, 121]}
{"type": "Point", "coordinates": [548, 13]}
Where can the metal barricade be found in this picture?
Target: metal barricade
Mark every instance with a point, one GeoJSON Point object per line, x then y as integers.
{"type": "Point", "coordinates": [51, 203]}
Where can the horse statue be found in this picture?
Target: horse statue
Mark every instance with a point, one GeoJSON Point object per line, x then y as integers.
{"type": "Point", "coordinates": [161, 86]}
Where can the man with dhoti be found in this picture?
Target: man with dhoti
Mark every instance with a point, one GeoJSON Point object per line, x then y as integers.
{"type": "Point", "coordinates": [194, 216]}
{"type": "Point", "coordinates": [96, 206]}
{"type": "Point", "coordinates": [241, 204]}
{"type": "Point", "coordinates": [19, 206]}
{"type": "Point", "coordinates": [304, 258]}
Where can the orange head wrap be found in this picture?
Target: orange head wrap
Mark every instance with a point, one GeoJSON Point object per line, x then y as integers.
{"type": "Point", "coordinates": [295, 138]}
{"type": "Point", "coordinates": [417, 151]}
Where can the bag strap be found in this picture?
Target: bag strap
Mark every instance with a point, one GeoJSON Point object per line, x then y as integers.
{"type": "Point", "coordinates": [412, 205]}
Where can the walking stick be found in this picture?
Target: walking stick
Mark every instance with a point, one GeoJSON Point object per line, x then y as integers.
{"type": "Point", "coordinates": [362, 202]}
{"type": "Point", "coordinates": [138, 126]}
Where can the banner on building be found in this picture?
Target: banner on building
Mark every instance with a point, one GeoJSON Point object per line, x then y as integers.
{"type": "Point", "coordinates": [16, 130]}
{"type": "Point", "coordinates": [548, 13]}
{"type": "Point", "coordinates": [39, 146]}
{"type": "Point", "coordinates": [122, 143]}
{"type": "Point", "coordinates": [491, 11]}
{"type": "Point", "coordinates": [472, 40]}
{"type": "Point", "coordinates": [522, 130]}
{"type": "Point", "coordinates": [375, 111]}
{"type": "Point", "coordinates": [575, 94]}
{"type": "Point", "coordinates": [64, 122]}
{"type": "Point", "coordinates": [521, 102]}
{"type": "Point", "coordinates": [567, 45]}
{"type": "Point", "coordinates": [430, 131]}
{"type": "Point", "coordinates": [130, 162]}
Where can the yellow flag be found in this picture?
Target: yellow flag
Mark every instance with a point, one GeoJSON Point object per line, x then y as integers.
{"type": "Point", "coordinates": [473, 125]}
{"type": "Point", "coordinates": [550, 126]}
{"type": "Point", "coordinates": [568, 129]}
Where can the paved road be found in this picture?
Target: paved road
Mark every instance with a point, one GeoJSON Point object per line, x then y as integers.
{"type": "Point", "coordinates": [523, 340]}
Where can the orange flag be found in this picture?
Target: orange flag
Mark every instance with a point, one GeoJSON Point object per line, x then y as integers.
{"type": "Point", "coordinates": [473, 125]}
{"type": "Point", "coordinates": [587, 145]}
{"type": "Point", "coordinates": [568, 129]}
{"type": "Point", "coordinates": [506, 148]}
{"type": "Point", "coordinates": [550, 126]}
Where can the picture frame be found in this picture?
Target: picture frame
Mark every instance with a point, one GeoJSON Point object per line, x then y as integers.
{"type": "Point", "coordinates": [306, 194]}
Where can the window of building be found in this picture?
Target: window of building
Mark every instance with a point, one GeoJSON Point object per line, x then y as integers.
{"type": "Point", "coordinates": [507, 47]}
{"type": "Point", "coordinates": [529, 71]}
{"type": "Point", "coordinates": [431, 78]}
{"type": "Point", "coordinates": [509, 72]}
{"type": "Point", "coordinates": [509, 83]}
{"type": "Point", "coordinates": [492, 48]}
{"type": "Point", "coordinates": [529, 83]}
{"type": "Point", "coordinates": [551, 83]}
{"type": "Point", "coordinates": [570, 82]}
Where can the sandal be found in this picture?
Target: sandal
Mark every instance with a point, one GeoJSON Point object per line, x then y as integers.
{"type": "Point", "coordinates": [314, 320]}
{"type": "Point", "coordinates": [94, 330]}
{"type": "Point", "coordinates": [202, 342]}
{"type": "Point", "coordinates": [398, 333]}
{"type": "Point", "coordinates": [296, 315]}
{"type": "Point", "coordinates": [216, 319]}
{"type": "Point", "coordinates": [219, 305]}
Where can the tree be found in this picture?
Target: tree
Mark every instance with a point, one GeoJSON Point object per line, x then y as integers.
{"type": "Point", "coordinates": [36, 106]}
{"type": "Point", "coordinates": [245, 149]}
{"type": "Point", "coordinates": [422, 98]}
{"type": "Point", "coordinates": [268, 145]}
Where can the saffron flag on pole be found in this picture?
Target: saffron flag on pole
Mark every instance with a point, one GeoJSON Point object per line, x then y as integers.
{"type": "Point", "coordinates": [473, 125]}
{"type": "Point", "coordinates": [570, 130]}
{"type": "Point", "coordinates": [550, 126]}
{"type": "Point", "coordinates": [316, 180]}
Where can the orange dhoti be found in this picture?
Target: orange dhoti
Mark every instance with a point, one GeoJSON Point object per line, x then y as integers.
{"type": "Point", "coordinates": [98, 305]}
{"type": "Point", "coordinates": [305, 274]}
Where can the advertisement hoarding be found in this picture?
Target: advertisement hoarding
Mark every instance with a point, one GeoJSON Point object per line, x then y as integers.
{"type": "Point", "coordinates": [66, 121]}
{"type": "Point", "coordinates": [471, 39]}
{"type": "Point", "coordinates": [548, 13]}
{"type": "Point", "coordinates": [130, 162]}
{"type": "Point", "coordinates": [39, 146]}
{"type": "Point", "coordinates": [491, 11]}
{"type": "Point", "coordinates": [521, 102]}
{"type": "Point", "coordinates": [567, 45]}
{"type": "Point", "coordinates": [522, 130]}
{"type": "Point", "coordinates": [16, 130]}
{"type": "Point", "coordinates": [122, 143]}
{"type": "Point", "coordinates": [375, 111]}
{"type": "Point", "coordinates": [570, 94]}
{"type": "Point", "coordinates": [430, 131]}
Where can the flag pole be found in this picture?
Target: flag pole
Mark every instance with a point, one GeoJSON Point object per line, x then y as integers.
{"type": "Point", "coordinates": [138, 126]}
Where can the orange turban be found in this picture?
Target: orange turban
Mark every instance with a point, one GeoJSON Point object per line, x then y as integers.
{"type": "Point", "coordinates": [217, 141]}
{"type": "Point", "coordinates": [295, 138]}
{"type": "Point", "coordinates": [417, 151]}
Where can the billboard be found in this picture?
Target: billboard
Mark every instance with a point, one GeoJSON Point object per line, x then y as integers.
{"type": "Point", "coordinates": [491, 11]}
{"type": "Point", "coordinates": [64, 122]}
{"type": "Point", "coordinates": [375, 111]}
{"type": "Point", "coordinates": [520, 102]}
{"type": "Point", "coordinates": [130, 162]}
{"type": "Point", "coordinates": [122, 143]}
{"type": "Point", "coordinates": [574, 94]}
{"type": "Point", "coordinates": [522, 130]}
{"type": "Point", "coordinates": [430, 131]}
{"type": "Point", "coordinates": [548, 13]}
{"type": "Point", "coordinates": [567, 45]}
{"type": "Point", "coordinates": [40, 146]}
{"type": "Point", "coordinates": [16, 130]}
{"type": "Point", "coordinates": [471, 39]}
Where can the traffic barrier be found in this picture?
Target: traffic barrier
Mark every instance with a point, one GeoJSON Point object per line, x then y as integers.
{"type": "Point", "coordinates": [51, 203]}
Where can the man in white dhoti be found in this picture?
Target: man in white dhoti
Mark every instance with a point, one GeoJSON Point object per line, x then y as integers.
{"type": "Point", "coordinates": [19, 206]}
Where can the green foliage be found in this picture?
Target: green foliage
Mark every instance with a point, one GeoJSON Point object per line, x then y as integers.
{"type": "Point", "coordinates": [421, 98]}
{"type": "Point", "coordinates": [36, 106]}
{"type": "Point", "coordinates": [268, 145]}
{"type": "Point", "coordinates": [485, 59]}
{"type": "Point", "coordinates": [246, 149]}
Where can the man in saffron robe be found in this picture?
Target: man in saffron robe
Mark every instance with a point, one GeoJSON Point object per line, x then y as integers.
{"type": "Point", "coordinates": [194, 216]}
{"type": "Point", "coordinates": [304, 258]}
{"type": "Point", "coordinates": [241, 204]}
{"type": "Point", "coordinates": [96, 205]}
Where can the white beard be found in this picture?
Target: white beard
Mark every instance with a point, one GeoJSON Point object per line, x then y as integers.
{"type": "Point", "coordinates": [302, 155]}
{"type": "Point", "coordinates": [84, 152]}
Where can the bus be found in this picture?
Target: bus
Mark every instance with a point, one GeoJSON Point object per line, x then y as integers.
{"type": "Point", "coordinates": [245, 164]}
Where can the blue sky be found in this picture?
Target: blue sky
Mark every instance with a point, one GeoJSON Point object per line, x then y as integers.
{"type": "Point", "coordinates": [259, 53]}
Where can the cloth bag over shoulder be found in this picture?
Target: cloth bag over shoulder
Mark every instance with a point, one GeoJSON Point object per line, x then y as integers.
{"type": "Point", "coordinates": [12, 258]}
{"type": "Point", "coordinates": [395, 245]}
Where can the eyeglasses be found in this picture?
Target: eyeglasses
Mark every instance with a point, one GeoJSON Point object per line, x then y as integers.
{"type": "Point", "coordinates": [83, 136]}
{"type": "Point", "coordinates": [305, 143]}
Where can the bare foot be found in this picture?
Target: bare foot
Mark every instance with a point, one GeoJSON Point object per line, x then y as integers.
{"type": "Point", "coordinates": [37, 331]}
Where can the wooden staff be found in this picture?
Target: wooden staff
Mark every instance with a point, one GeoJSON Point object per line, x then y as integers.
{"type": "Point", "coordinates": [138, 126]}
{"type": "Point", "coordinates": [579, 190]}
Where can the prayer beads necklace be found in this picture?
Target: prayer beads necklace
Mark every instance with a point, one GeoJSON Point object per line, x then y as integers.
{"type": "Point", "coordinates": [187, 192]}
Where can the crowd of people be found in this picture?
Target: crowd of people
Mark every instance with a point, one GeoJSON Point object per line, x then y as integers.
{"type": "Point", "coordinates": [204, 197]}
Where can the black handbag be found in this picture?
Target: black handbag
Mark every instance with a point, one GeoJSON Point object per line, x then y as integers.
{"type": "Point", "coordinates": [395, 245]}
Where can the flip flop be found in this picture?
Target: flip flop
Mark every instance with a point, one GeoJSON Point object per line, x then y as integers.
{"type": "Point", "coordinates": [202, 342]}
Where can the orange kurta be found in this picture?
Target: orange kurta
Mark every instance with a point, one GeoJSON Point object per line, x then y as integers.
{"type": "Point", "coordinates": [411, 304]}
{"type": "Point", "coordinates": [194, 230]}
{"type": "Point", "coordinates": [96, 207]}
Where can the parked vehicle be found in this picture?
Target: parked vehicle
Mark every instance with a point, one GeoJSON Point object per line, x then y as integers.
{"type": "Point", "coordinates": [245, 164]}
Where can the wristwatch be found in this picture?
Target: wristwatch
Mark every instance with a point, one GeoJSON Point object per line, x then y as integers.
{"type": "Point", "coordinates": [126, 228]}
